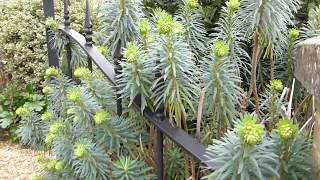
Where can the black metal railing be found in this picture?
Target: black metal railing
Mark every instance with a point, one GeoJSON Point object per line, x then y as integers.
{"type": "Point", "coordinates": [189, 144]}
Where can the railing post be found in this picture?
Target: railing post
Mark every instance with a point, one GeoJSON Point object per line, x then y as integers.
{"type": "Point", "coordinates": [88, 31]}
{"type": "Point", "coordinates": [68, 46]}
{"type": "Point", "coordinates": [159, 149]}
{"type": "Point", "coordinates": [117, 68]}
{"type": "Point", "coordinates": [48, 9]}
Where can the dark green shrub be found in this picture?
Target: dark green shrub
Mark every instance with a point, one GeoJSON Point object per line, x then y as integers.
{"type": "Point", "coordinates": [22, 37]}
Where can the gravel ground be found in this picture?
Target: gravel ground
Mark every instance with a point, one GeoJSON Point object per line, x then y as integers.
{"type": "Point", "coordinates": [17, 162]}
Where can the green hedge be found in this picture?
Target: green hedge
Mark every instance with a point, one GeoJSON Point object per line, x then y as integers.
{"type": "Point", "coordinates": [22, 37]}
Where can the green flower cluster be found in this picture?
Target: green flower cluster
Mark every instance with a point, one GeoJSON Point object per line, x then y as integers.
{"type": "Point", "coordinates": [47, 116]}
{"type": "Point", "coordinates": [103, 51]}
{"type": "Point", "coordinates": [50, 23]}
{"type": "Point", "coordinates": [131, 53]}
{"type": "Point", "coordinates": [233, 5]}
{"type": "Point", "coordinates": [51, 72]}
{"type": "Point", "coordinates": [81, 150]}
{"type": "Point", "coordinates": [144, 28]}
{"type": "Point", "coordinates": [166, 24]}
{"type": "Point", "coordinates": [22, 111]}
{"type": "Point", "coordinates": [53, 132]}
{"type": "Point", "coordinates": [50, 164]}
{"type": "Point", "coordinates": [220, 49]}
{"type": "Point", "coordinates": [276, 85]}
{"type": "Point", "coordinates": [286, 129]}
{"type": "Point", "coordinates": [83, 73]}
{"type": "Point", "coordinates": [46, 90]}
{"type": "Point", "coordinates": [74, 95]}
{"type": "Point", "coordinates": [250, 132]}
{"type": "Point", "coordinates": [294, 33]}
{"type": "Point", "coordinates": [101, 117]}
{"type": "Point", "coordinates": [191, 5]}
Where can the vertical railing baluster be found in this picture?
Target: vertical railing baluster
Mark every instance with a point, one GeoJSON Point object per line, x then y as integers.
{"type": "Point", "coordinates": [48, 9]}
{"type": "Point", "coordinates": [68, 46]}
{"type": "Point", "coordinates": [159, 136]}
{"type": "Point", "coordinates": [88, 31]}
{"type": "Point", "coordinates": [117, 68]}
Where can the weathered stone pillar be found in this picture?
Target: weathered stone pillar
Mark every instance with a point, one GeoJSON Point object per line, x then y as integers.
{"type": "Point", "coordinates": [308, 73]}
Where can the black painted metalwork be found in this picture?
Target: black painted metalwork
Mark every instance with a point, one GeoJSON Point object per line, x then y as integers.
{"type": "Point", "coordinates": [189, 144]}
{"type": "Point", "coordinates": [48, 8]}
{"type": "Point", "coordinates": [66, 13]}
{"type": "Point", "coordinates": [117, 69]}
{"type": "Point", "coordinates": [88, 31]}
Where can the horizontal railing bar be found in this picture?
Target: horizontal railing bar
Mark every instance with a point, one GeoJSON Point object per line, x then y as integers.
{"type": "Point", "coordinates": [177, 135]}
{"type": "Point", "coordinates": [103, 64]}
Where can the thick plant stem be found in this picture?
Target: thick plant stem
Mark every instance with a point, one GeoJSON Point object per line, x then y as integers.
{"type": "Point", "coordinates": [256, 55]}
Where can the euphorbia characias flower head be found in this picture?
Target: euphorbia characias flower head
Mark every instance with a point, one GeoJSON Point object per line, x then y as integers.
{"type": "Point", "coordinates": [22, 111]}
{"type": "Point", "coordinates": [165, 22]}
{"type": "Point", "coordinates": [52, 72]}
{"type": "Point", "coordinates": [234, 5]}
{"type": "Point", "coordinates": [57, 126]}
{"type": "Point", "coordinates": [276, 85]}
{"type": "Point", "coordinates": [250, 132]}
{"type": "Point", "coordinates": [82, 73]}
{"type": "Point", "coordinates": [220, 49]}
{"type": "Point", "coordinates": [294, 33]}
{"type": "Point", "coordinates": [59, 165]}
{"type": "Point", "coordinates": [47, 116]}
{"type": "Point", "coordinates": [286, 129]}
{"type": "Point", "coordinates": [50, 138]}
{"type": "Point", "coordinates": [131, 53]}
{"type": "Point", "coordinates": [74, 95]}
{"type": "Point", "coordinates": [191, 5]}
{"type": "Point", "coordinates": [101, 117]}
{"type": "Point", "coordinates": [46, 90]}
{"type": "Point", "coordinates": [144, 27]}
{"type": "Point", "coordinates": [51, 23]}
{"type": "Point", "coordinates": [80, 150]}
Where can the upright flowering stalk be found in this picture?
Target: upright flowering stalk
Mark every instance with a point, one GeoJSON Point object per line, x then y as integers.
{"type": "Point", "coordinates": [175, 87]}
{"type": "Point", "coordinates": [293, 150]}
{"type": "Point", "coordinates": [136, 76]}
{"type": "Point", "coordinates": [222, 87]}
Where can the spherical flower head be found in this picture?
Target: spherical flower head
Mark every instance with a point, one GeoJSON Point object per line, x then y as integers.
{"type": "Point", "coordinates": [74, 95]}
{"type": "Point", "coordinates": [52, 72]}
{"type": "Point", "coordinates": [220, 49]}
{"type": "Point", "coordinates": [103, 51]}
{"type": "Point", "coordinates": [50, 23]}
{"type": "Point", "coordinates": [250, 132]}
{"type": "Point", "coordinates": [144, 27]}
{"type": "Point", "coordinates": [191, 5]}
{"type": "Point", "coordinates": [286, 129]}
{"type": "Point", "coordinates": [22, 111]}
{"type": "Point", "coordinates": [56, 127]}
{"type": "Point", "coordinates": [50, 138]}
{"type": "Point", "coordinates": [59, 165]}
{"type": "Point", "coordinates": [46, 90]}
{"type": "Point", "coordinates": [294, 33]}
{"type": "Point", "coordinates": [51, 164]}
{"type": "Point", "coordinates": [41, 159]}
{"type": "Point", "coordinates": [234, 5]}
{"type": "Point", "coordinates": [131, 53]}
{"type": "Point", "coordinates": [80, 150]}
{"type": "Point", "coordinates": [165, 22]}
{"type": "Point", "coordinates": [101, 117]}
{"type": "Point", "coordinates": [82, 73]}
{"type": "Point", "coordinates": [47, 116]}
{"type": "Point", "coordinates": [276, 85]}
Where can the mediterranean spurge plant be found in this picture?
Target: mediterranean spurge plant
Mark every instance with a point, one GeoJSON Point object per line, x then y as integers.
{"type": "Point", "coordinates": [87, 138]}
{"type": "Point", "coordinates": [247, 152]}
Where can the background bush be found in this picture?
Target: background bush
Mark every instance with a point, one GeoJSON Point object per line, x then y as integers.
{"type": "Point", "coordinates": [22, 37]}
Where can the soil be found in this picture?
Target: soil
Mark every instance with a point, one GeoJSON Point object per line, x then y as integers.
{"type": "Point", "coordinates": [18, 162]}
